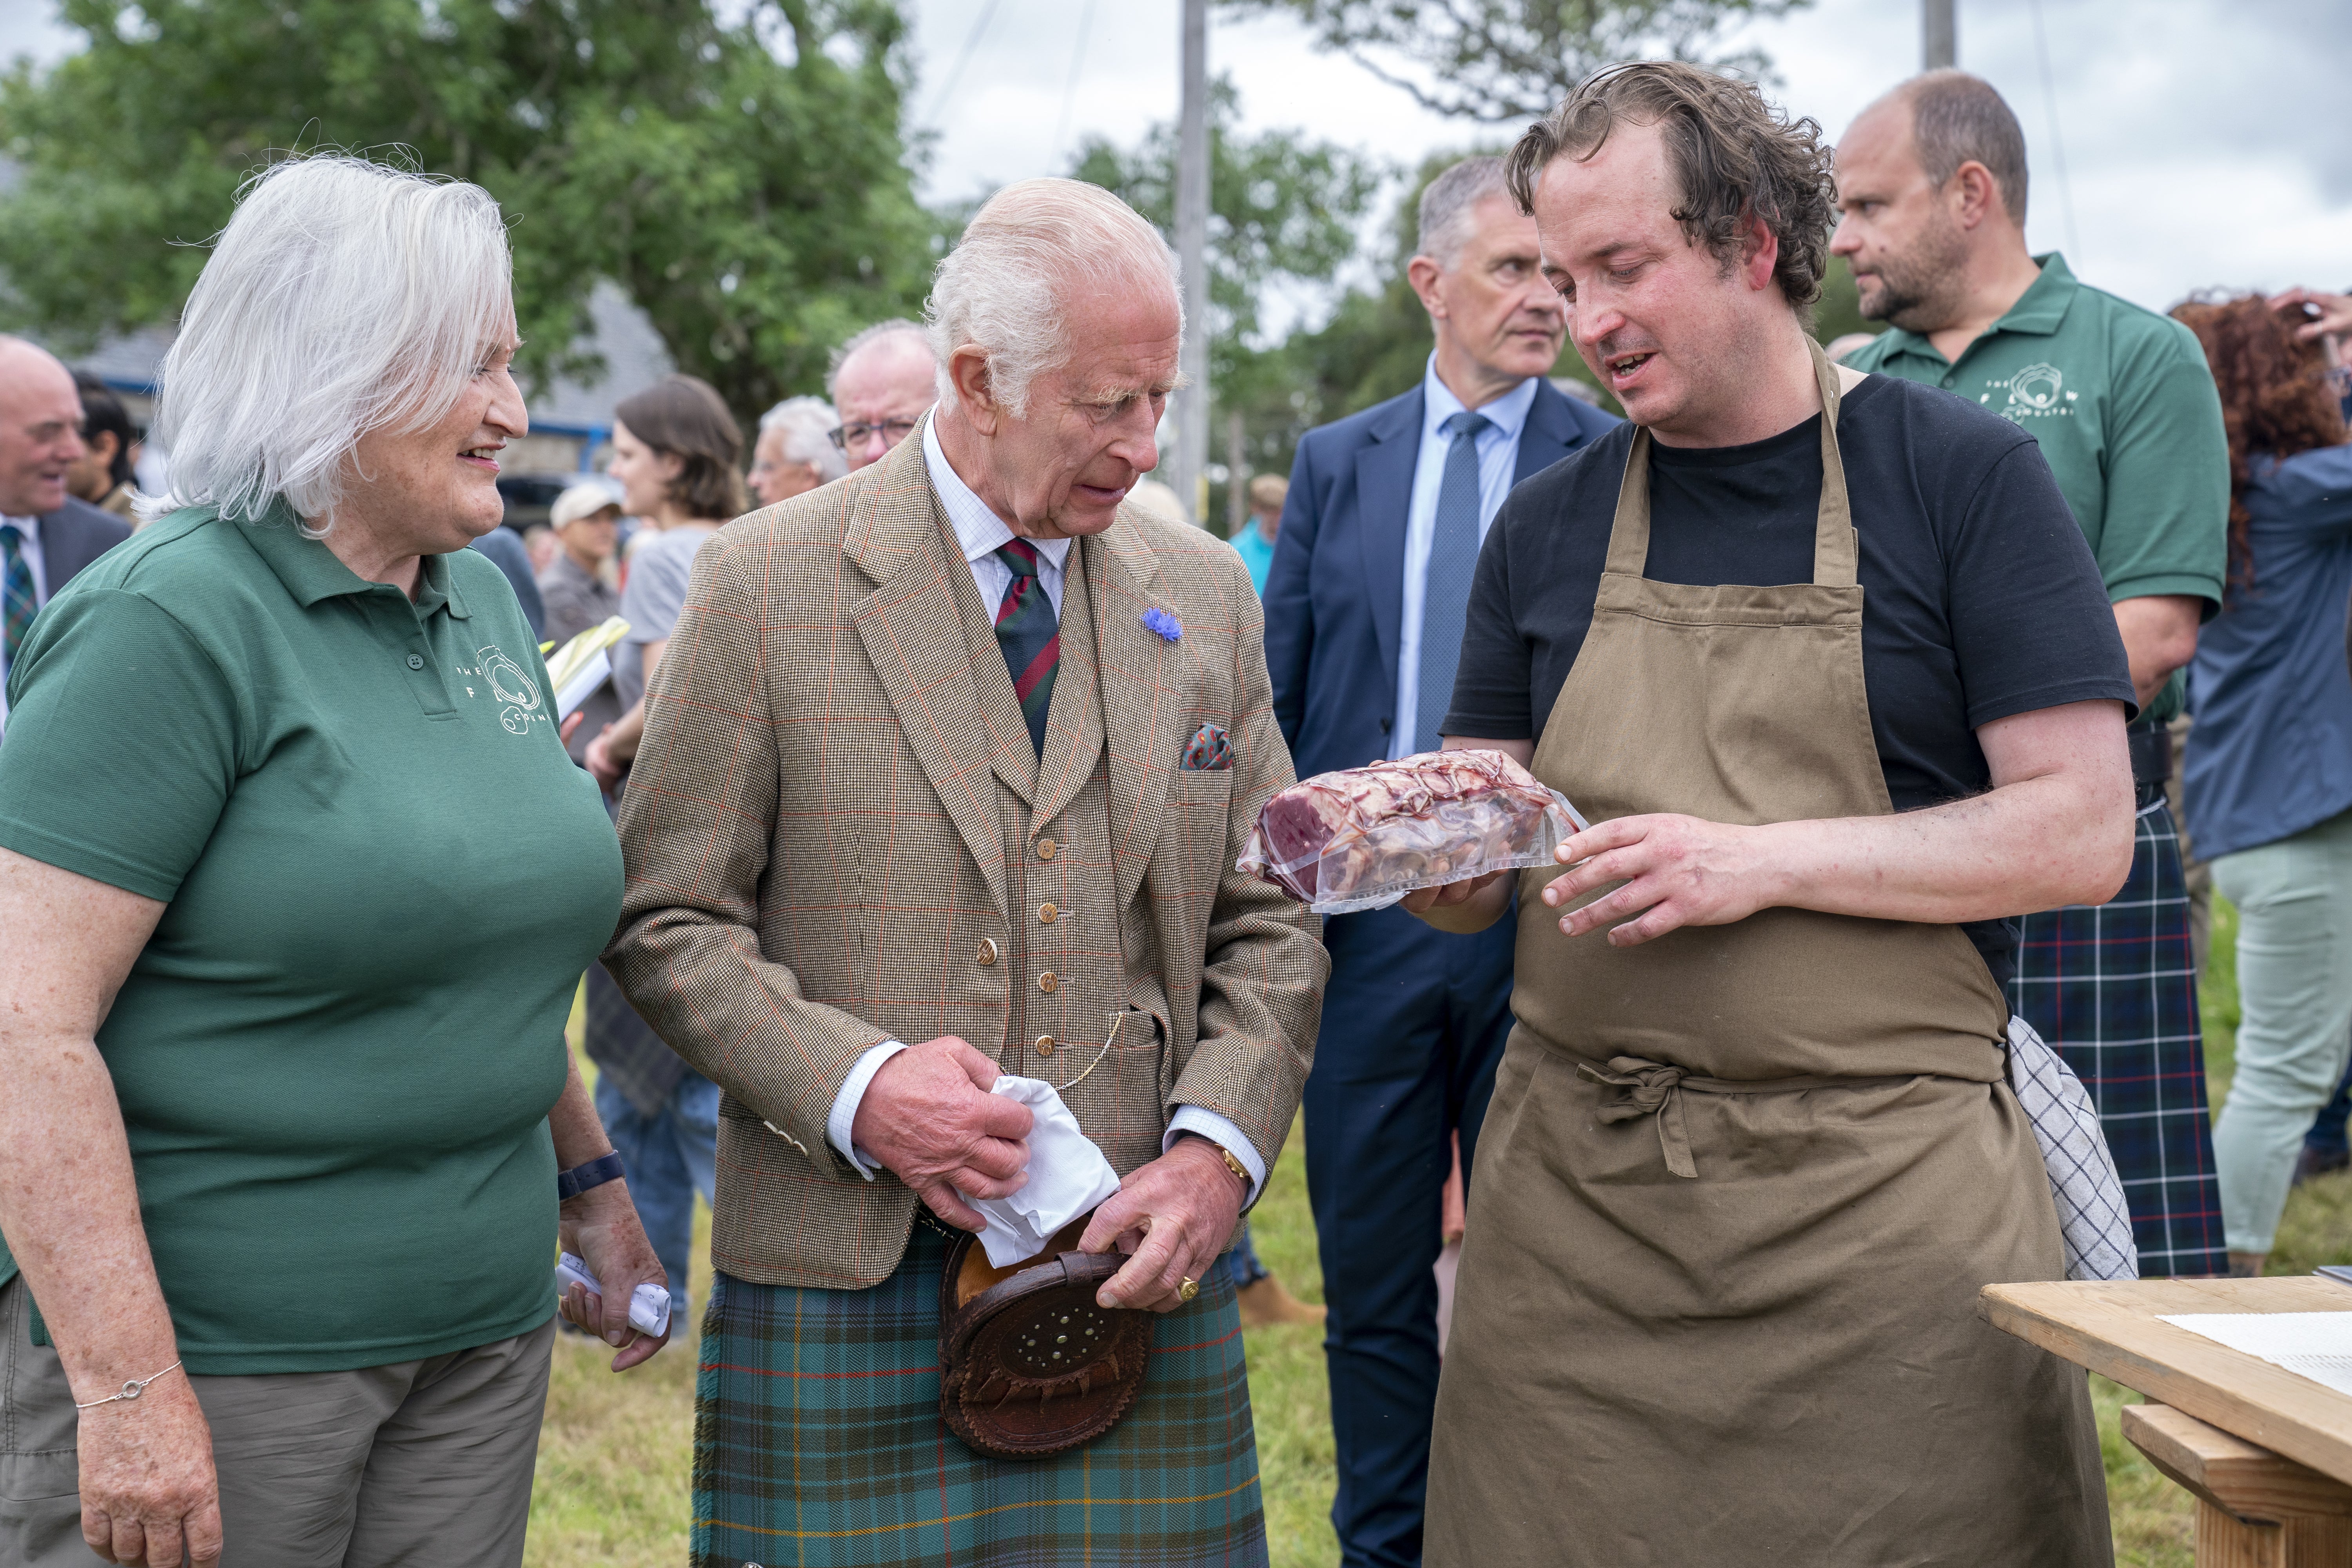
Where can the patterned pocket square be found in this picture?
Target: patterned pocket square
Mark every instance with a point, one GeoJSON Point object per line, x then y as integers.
{"type": "Point", "coordinates": [1210, 751]}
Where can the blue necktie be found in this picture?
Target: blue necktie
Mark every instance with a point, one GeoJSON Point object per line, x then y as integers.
{"type": "Point", "coordinates": [1031, 636]}
{"type": "Point", "coordinates": [16, 606]}
{"type": "Point", "coordinates": [1445, 595]}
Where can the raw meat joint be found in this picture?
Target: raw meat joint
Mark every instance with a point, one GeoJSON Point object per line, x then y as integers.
{"type": "Point", "coordinates": [1364, 837]}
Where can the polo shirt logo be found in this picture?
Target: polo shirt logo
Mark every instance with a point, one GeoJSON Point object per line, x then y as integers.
{"type": "Point", "coordinates": [511, 685]}
{"type": "Point", "coordinates": [2039, 390]}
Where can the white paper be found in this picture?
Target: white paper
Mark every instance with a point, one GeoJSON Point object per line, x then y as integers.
{"type": "Point", "coordinates": [583, 686]}
{"type": "Point", "coordinates": [1068, 1177]}
{"type": "Point", "coordinates": [2317, 1345]}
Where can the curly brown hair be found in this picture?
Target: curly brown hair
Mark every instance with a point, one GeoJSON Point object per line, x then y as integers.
{"type": "Point", "coordinates": [1736, 159]}
{"type": "Point", "coordinates": [2275, 401]}
{"type": "Point", "coordinates": [686, 416]}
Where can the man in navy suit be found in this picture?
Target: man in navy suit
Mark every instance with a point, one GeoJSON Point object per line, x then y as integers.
{"type": "Point", "coordinates": [46, 534]}
{"type": "Point", "coordinates": [1364, 609]}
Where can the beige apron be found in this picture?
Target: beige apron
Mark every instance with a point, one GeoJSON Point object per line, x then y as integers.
{"type": "Point", "coordinates": [1738, 1186]}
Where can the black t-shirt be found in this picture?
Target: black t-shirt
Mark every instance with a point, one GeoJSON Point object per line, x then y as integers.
{"type": "Point", "coordinates": [1979, 599]}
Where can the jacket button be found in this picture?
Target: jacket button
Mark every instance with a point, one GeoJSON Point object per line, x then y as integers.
{"type": "Point", "coordinates": [1047, 848]}
{"type": "Point", "coordinates": [1384, 726]}
{"type": "Point", "coordinates": [1047, 983]}
{"type": "Point", "coordinates": [416, 661]}
{"type": "Point", "coordinates": [987, 954]}
{"type": "Point", "coordinates": [1047, 914]}
{"type": "Point", "coordinates": [1044, 1044]}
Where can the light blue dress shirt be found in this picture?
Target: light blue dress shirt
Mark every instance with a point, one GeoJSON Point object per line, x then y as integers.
{"type": "Point", "coordinates": [981, 534]}
{"type": "Point", "coordinates": [1498, 459]}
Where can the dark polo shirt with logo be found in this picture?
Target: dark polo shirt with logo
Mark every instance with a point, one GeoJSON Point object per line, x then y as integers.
{"type": "Point", "coordinates": [2123, 407]}
{"type": "Point", "coordinates": [383, 879]}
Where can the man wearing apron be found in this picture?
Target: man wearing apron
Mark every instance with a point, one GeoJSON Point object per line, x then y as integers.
{"type": "Point", "coordinates": [1751, 1156]}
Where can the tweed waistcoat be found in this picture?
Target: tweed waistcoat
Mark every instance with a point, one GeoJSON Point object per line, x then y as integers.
{"type": "Point", "coordinates": [837, 813]}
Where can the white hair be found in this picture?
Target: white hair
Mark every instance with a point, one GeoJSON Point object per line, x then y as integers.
{"type": "Point", "coordinates": [344, 297]}
{"type": "Point", "coordinates": [808, 424]}
{"type": "Point", "coordinates": [1029, 247]}
{"type": "Point", "coordinates": [1449, 201]}
{"type": "Point", "coordinates": [897, 326]}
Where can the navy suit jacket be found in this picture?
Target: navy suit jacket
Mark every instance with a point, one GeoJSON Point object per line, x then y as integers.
{"type": "Point", "coordinates": [73, 536]}
{"type": "Point", "coordinates": [1335, 593]}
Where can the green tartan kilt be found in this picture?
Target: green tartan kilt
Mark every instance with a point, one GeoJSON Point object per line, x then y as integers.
{"type": "Point", "coordinates": [818, 1442]}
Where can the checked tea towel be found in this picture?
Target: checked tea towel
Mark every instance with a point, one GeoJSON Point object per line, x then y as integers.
{"type": "Point", "coordinates": [2093, 1221]}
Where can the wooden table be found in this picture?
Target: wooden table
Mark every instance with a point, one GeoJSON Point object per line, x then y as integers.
{"type": "Point", "coordinates": [2268, 1453]}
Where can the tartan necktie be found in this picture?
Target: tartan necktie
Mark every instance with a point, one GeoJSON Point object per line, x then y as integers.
{"type": "Point", "coordinates": [1031, 636]}
{"type": "Point", "coordinates": [16, 606]}
{"type": "Point", "coordinates": [1445, 595]}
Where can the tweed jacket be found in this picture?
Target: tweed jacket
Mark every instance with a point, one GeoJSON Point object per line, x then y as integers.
{"type": "Point", "coordinates": [821, 857]}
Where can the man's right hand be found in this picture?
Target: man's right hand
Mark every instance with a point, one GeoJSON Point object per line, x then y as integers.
{"type": "Point", "coordinates": [929, 1118]}
{"type": "Point", "coordinates": [1464, 908]}
{"type": "Point", "coordinates": [149, 1495]}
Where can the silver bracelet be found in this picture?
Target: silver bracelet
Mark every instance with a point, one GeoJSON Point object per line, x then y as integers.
{"type": "Point", "coordinates": [131, 1390]}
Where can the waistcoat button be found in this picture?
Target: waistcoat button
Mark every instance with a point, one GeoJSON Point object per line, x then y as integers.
{"type": "Point", "coordinates": [1046, 982]}
{"type": "Point", "coordinates": [987, 952]}
{"type": "Point", "coordinates": [1047, 914]}
{"type": "Point", "coordinates": [1044, 1044]}
{"type": "Point", "coordinates": [1047, 850]}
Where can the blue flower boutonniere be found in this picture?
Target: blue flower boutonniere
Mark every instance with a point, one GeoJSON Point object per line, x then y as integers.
{"type": "Point", "coordinates": [1168, 627]}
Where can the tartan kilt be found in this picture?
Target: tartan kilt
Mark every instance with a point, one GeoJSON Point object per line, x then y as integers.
{"type": "Point", "coordinates": [2113, 988]}
{"type": "Point", "coordinates": [818, 1442]}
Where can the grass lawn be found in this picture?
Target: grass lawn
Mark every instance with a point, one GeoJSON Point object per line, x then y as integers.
{"type": "Point", "coordinates": [615, 1455]}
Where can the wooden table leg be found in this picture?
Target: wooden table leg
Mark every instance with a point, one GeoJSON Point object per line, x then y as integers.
{"type": "Point", "coordinates": [2254, 1509]}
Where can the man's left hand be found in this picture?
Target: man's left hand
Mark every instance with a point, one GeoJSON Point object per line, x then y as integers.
{"type": "Point", "coordinates": [1173, 1217]}
{"type": "Point", "coordinates": [602, 1230]}
{"type": "Point", "coordinates": [1677, 871]}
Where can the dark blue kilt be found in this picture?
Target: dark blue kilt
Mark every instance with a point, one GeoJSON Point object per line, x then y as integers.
{"type": "Point", "coordinates": [2114, 988]}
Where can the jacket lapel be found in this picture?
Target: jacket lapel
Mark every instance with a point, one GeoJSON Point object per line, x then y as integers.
{"type": "Point", "coordinates": [1549, 434]}
{"type": "Point", "coordinates": [1144, 707]}
{"type": "Point", "coordinates": [914, 637]}
{"type": "Point", "coordinates": [1383, 502]}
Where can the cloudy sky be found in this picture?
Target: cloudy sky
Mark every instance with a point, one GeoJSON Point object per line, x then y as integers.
{"type": "Point", "coordinates": [2203, 140]}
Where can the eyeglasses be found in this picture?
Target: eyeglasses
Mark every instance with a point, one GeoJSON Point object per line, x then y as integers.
{"type": "Point", "coordinates": [892, 432]}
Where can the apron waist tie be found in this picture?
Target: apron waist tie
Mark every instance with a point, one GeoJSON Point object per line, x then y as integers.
{"type": "Point", "coordinates": [1655, 1088]}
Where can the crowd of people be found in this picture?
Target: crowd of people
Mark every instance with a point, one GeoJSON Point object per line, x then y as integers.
{"type": "Point", "coordinates": [920, 777]}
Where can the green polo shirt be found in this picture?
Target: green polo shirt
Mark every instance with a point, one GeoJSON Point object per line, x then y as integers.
{"type": "Point", "coordinates": [382, 879]}
{"type": "Point", "coordinates": [2123, 407]}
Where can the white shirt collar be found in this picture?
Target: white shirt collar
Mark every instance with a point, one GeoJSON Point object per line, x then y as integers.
{"type": "Point", "coordinates": [978, 528]}
{"type": "Point", "coordinates": [26, 527]}
{"type": "Point", "coordinates": [1509, 412]}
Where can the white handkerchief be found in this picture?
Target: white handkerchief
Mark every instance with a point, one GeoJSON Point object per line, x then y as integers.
{"type": "Point", "coordinates": [1068, 1177]}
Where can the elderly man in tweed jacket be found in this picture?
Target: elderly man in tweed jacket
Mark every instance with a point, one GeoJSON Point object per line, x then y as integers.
{"type": "Point", "coordinates": [945, 773]}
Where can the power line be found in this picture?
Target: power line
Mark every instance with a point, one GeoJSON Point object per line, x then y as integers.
{"type": "Point", "coordinates": [2057, 142]}
{"type": "Point", "coordinates": [1070, 88]}
{"type": "Point", "coordinates": [971, 42]}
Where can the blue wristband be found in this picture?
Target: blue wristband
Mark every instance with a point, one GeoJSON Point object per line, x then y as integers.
{"type": "Point", "coordinates": [571, 1184]}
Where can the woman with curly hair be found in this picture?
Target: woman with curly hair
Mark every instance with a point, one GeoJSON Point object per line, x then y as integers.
{"type": "Point", "coordinates": [2269, 783]}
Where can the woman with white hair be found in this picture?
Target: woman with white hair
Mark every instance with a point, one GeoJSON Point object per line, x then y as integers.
{"type": "Point", "coordinates": [298, 883]}
{"type": "Point", "coordinates": [795, 452]}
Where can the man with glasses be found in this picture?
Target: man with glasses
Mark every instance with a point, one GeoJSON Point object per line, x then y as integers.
{"type": "Point", "coordinates": [882, 380]}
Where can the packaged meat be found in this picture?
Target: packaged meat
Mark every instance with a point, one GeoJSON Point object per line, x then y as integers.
{"type": "Point", "coordinates": [1361, 838]}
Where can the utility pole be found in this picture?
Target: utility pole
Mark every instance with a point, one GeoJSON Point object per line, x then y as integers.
{"type": "Point", "coordinates": [1192, 259]}
{"type": "Point", "coordinates": [1939, 36]}
{"type": "Point", "coordinates": [1237, 473]}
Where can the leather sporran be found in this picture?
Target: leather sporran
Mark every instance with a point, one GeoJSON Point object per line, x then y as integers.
{"type": "Point", "coordinates": [1029, 1366]}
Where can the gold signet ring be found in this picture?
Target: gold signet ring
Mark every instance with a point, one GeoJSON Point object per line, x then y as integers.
{"type": "Point", "coordinates": [1188, 1289]}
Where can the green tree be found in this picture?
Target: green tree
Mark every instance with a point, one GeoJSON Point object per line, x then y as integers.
{"type": "Point", "coordinates": [1508, 59]}
{"type": "Point", "coordinates": [744, 179]}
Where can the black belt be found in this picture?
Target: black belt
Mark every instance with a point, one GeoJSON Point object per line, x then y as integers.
{"type": "Point", "coordinates": [2151, 762]}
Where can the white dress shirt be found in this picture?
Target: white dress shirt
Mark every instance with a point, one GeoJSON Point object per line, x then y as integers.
{"type": "Point", "coordinates": [1498, 459]}
{"type": "Point", "coordinates": [982, 533]}
{"type": "Point", "coordinates": [29, 545]}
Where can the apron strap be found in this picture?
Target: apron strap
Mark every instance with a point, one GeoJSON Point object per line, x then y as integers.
{"type": "Point", "coordinates": [1835, 550]}
{"type": "Point", "coordinates": [1655, 1088]}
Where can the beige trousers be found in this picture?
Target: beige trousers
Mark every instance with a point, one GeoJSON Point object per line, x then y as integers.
{"type": "Point", "coordinates": [421, 1464]}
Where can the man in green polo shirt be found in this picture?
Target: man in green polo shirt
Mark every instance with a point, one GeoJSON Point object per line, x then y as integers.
{"type": "Point", "coordinates": [1931, 186]}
